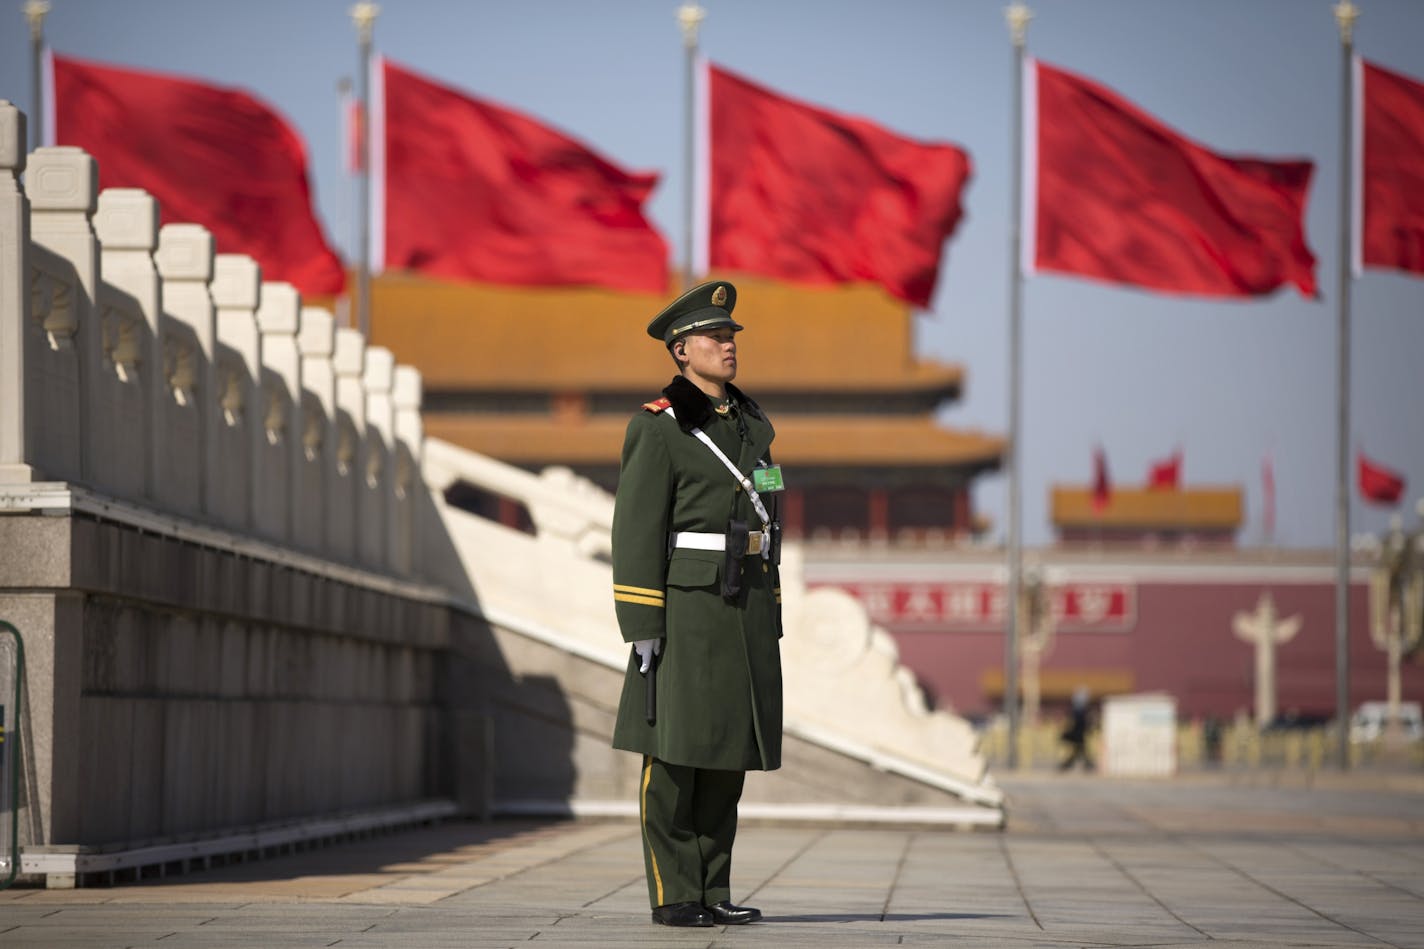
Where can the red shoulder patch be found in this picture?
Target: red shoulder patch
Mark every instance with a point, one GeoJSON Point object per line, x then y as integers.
{"type": "Point", "coordinates": [657, 405]}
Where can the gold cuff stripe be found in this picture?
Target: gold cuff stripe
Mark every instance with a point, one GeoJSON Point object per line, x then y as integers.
{"type": "Point", "coordinates": [641, 591]}
{"type": "Point", "coordinates": [640, 600]}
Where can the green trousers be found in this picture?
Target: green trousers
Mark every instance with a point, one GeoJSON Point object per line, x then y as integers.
{"type": "Point", "coordinates": [689, 818]}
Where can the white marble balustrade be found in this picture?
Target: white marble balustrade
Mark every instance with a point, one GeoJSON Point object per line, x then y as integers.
{"type": "Point", "coordinates": [141, 363]}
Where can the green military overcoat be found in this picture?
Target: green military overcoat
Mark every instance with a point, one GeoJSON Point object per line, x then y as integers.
{"type": "Point", "coordinates": [719, 675]}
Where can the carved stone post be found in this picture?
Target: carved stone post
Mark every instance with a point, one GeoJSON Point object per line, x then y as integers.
{"type": "Point", "coordinates": [378, 493]}
{"type": "Point", "coordinates": [409, 434]}
{"type": "Point", "coordinates": [278, 321]}
{"type": "Point", "coordinates": [63, 186]}
{"type": "Point", "coordinates": [1265, 630]}
{"type": "Point", "coordinates": [348, 361]}
{"type": "Point", "coordinates": [237, 292]}
{"type": "Point", "coordinates": [16, 436]}
{"type": "Point", "coordinates": [185, 262]}
{"type": "Point", "coordinates": [318, 475]}
{"type": "Point", "coordinates": [127, 225]}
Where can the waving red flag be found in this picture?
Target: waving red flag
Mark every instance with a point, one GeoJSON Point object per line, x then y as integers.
{"type": "Point", "coordinates": [1124, 198]}
{"type": "Point", "coordinates": [1166, 474]}
{"type": "Point", "coordinates": [209, 155]}
{"type": "Point", "coordinates": [1392, 170]}
{"type": "Point", "coordinates": [807, 195]}
{"type": "Point", "coordinates": [1378, 483]}
{"type": "Point", "coordinates": [475, 191]}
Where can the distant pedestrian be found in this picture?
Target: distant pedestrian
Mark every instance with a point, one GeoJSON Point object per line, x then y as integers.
{"type": "Point", "coordinates": [1211, 738]}
{"type": "Point", "coordinates": [1076, 732]}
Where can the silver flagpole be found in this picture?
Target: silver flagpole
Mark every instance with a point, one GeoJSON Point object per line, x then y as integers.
{"type": "Point", "coordinates": [1018, 16]}
{"type": "Point", "coordinates": [690, 17]}
{"type": "Point", "coordinates": [35, 11]}
{"type": "Point", "coordinates": [1345, 15]}
{"type": "Point", "coordinates": [364, 16]}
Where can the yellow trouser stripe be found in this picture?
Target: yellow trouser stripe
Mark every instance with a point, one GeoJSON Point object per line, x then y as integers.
{"type": "Point", "coordinates": [648, 777]}
{"type": "Point", "coordinates": [642, 600]}
{"type": "Point", "coordinates": [641, 591]}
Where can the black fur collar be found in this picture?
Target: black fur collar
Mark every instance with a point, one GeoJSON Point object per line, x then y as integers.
{"type": "Point", "coordinates": [692, 407]}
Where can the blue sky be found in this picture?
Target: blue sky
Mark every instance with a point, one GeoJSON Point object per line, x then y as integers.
{"type": "Point", "coordinates": [1139, 373]}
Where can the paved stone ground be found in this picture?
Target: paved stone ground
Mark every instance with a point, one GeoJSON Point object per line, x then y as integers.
{"type": "Point", "coordinates": [1233, 860]}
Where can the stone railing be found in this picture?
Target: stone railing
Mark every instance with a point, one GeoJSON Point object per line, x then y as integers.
{"type": "Point", "coordinates": [228, 627]}
{"type": "Point", "coordinates": [141, 364]}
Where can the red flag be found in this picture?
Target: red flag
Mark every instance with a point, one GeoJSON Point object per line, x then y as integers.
{"type": "Point", "coordinates": [209, 155]}
{"type": "Point", "coordinates": [1378, 483]}
{"type": "Point", "coordinates": [1166, 474]}
{"type": "Point", "coordinates": [1123, 198]}
{"type": "Point", "coordinates": [807, 195]}
{"type": "Point", "coordinates": [475, 191]}
{"type": "Point", "coordinates": [1392, 170]}
{"type": "Point", "coordinates": [1102, 487]}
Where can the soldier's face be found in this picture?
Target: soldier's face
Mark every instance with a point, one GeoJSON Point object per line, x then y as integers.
{"type": "Point", "coordinates": [713, 355]}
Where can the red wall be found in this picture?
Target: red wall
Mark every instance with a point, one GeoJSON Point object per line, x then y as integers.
{"type": "Point", "coordinates": [1181, 642]}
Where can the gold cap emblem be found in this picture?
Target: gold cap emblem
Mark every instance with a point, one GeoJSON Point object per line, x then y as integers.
{"type": "Point", "coordinates": [719, 296]}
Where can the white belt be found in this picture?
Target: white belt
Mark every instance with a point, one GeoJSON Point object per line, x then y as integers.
{"type": "Point", "coordinates": [758, 542]}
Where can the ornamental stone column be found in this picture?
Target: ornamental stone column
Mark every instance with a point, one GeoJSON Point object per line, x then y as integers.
{"type": "Point", "coordinates": [1265, 630]}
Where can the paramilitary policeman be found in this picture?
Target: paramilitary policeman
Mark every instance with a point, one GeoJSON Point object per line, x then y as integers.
{"type": "Point", "coordinates": [697, 592]}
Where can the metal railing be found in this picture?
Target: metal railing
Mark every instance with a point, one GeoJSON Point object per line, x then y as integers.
{"type": "Point", "coordinates": [12, 674]}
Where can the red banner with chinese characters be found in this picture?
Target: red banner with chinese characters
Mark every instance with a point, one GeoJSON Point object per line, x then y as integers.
{"type": "Point", "coordinates": [1087, 606]}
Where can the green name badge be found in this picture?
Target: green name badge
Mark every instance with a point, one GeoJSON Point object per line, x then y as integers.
{"type": "Point", "coordinates": [767, 479]}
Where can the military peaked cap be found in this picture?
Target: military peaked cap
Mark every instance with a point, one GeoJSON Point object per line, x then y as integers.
{"type": "Point", "coordinates": [705, 307]}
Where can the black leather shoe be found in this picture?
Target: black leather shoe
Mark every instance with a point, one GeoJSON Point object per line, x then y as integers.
{"type": "Point", "coordinates": [682, 914]}
{"type": "Point", "coordinates": [725, 914]}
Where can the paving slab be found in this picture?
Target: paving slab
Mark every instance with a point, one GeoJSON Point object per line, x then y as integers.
{"type": "Point", "coordinates": [1227, 860]}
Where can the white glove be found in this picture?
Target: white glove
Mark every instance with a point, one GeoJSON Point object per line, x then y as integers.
{"type": "Point", "coordinates": [646, 650]}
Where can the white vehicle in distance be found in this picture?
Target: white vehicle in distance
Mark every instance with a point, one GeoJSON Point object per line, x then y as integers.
{"type": "Point", "coordinates": [1368, 723]}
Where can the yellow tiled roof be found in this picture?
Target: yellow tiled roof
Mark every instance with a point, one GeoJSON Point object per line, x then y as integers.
{"type": "Point", "coordinates": [875, 441]}
{"type": "Point", "coordinates": [1217, 508]}
{"type": "Point", "coordinates": [512, 339]}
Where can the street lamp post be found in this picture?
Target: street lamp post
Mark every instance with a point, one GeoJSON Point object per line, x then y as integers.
{"type": "Point", "coordinates": [1018, 16]}
{"type": "Point", "coordinates": [1397, 608]}
{"type": "Point", "coordinates": [363, 15]}
{"type": "Point", "coordinates": [35, 11]}
{"type": "Point", "coordinates": [689, 18]}
{"type": "Point", "coordinates": [1345, 15]}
